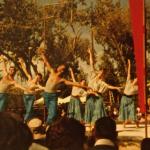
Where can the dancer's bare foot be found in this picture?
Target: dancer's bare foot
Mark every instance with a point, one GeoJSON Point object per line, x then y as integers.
{"type": "Point", "coordinates": [137, 124]}
{"type": "Point", "coordinates": [125, 123]}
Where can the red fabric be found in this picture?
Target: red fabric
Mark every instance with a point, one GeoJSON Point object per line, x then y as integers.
{"type": "Point", "coordinates": [138, 31]}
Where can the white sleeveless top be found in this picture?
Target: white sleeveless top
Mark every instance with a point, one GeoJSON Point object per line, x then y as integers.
{"type": "Point", "coordinates": [130, 89]}
{"type": "Point", "coordinates": [76, 91]}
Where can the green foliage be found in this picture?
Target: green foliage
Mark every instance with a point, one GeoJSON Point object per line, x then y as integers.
{"type": "Point", "coordinates": [24, 25]}
{"type": "Point", "coordinates": [18, 26]}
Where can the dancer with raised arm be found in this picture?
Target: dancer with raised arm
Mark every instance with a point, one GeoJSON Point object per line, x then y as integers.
{"type": "Point", "coordinates": [127, 110]}
{"type": "Point", "coordinates": [50, 95]}
{"type": "Point", "coordinates": [94, 108]}
{"type": "Point", "coordinates": [6, 82]}
{"type": "Point", "coordinates": [74, 106]}
{"type": "Point", "coordinates": [33, 86]}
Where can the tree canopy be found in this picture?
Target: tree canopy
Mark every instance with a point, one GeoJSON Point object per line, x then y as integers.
{"type": "Point", "coordinates": [68, 28]}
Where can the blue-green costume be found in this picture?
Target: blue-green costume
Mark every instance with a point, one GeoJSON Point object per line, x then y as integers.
{"type": "Point", "coordinates": [127, 109]}
{"type": "Point", "coordinates": [4, 85]}
{"type": "Point", "coordinates": [51, 104]}
{"type": "Point", "coordinates": [94, 107]}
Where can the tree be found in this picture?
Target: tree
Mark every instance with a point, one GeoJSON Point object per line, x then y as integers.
{"type": "Point", "coordinates": [18, 27]}
{"type": "Point", "coordinates": [111, 26]}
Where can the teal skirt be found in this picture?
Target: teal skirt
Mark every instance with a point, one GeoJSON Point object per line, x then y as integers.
{"type": "Point", "coordinates": [74, 108]}
{"type": "Point", "coordinates": [3, 101]}
{"type": "Point", "coordinates": [94, 108]}
{"type": "Point", "coordinates": [99, 109]}
{"type": "Point", "coordinates": [127, 109]}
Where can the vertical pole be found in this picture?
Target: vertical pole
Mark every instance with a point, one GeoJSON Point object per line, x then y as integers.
{"type": "Point", "coordinates": [92, 35]}
{"type": "Point", "coordinates": [146, 104]}
{"type": "Point", "coordinates": [44, 13]}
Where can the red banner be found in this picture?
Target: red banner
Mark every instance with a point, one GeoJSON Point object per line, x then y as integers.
{"type": "Point", "coordinates": [138, 32]}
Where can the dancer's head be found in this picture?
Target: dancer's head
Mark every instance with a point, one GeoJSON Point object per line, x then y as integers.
{"type": "Point", "coordinates": [100, 72]}
{"type": "Point", "coordinates": [61, 68]}
{"type": "Point", "coordinates": [82, 81]}
{"type": "Point", "coordinates": [39, 77]}
{"type": "Point", "coordinates": [134, 81]}
{"type": "Point", "coordinates": [12, 71]}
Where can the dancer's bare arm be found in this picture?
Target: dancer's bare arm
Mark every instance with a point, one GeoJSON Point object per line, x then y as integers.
{"type": "Point", "coordinates": [114, 87]}
{"type": "Point", "coordinates": [22, 63]}
{"type": "Point", "coordinates": [91, 58]}
{"type": "Point", "coordinates": [74, 84]}
{"type": "Point", "coordinates": [129, 70]}
{"type": "Point", "coordinates": [49, 67]}
{"type": "Point", "coordinates": [17, 85]}
{"type": "Point", "coordinates": [72, 74]}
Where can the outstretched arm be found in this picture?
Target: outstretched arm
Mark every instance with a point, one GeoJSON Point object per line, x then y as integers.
{"type": "Point", "coordinates": [129, 70]}
{"type": "Point", "coordinates": [114, 87]}
{"type": "Point", "coordinates": [49, 67]}
{"type": "Point", "coordinates": [22, 63]}
{"type": "Point", "coordinates": [72, 74]}
{"type": "Point", "coordinates": [91, 58]}
{"type": "Point", "coordinates": [17, 85]}
{"type": "Point", "coordinates": [75, 84]}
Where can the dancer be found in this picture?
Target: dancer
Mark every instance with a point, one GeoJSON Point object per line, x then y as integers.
{"type": "Point", "coordinates": [7, 82]}
{"type": "Point", "coordinates": [50, 95]}
{"type": "Point", "coordinates": [33, 86]}
{"type": "Point", "coordinates": [74, 106]}
{"type": "Point", "coordinates": [127, 110]}
{"type": "Point", "coordinates": [94, 108]}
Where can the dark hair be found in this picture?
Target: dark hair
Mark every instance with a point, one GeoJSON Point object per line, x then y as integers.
{"type": "Point", "coordinates": [105, 127]}
{"type": "Point", "coordinates": [39, 74]}
{"type": "Point", "coordinates": [13, 68]}
{"type": "Point", "coordinates": [145, 144]}
{"type": "Point", "coordinates": [14, 135]}
{"type": "Point", "coordinates": [66, 133]}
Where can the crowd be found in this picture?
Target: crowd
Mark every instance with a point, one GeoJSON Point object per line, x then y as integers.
{"type": "Point", "coordinates": [63, 134]}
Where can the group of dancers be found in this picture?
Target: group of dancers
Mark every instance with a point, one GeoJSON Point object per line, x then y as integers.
{"type": "Point", "coordinates": [94, 90]}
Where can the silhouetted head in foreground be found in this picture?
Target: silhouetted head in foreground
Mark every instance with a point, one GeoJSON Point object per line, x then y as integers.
{"type": "Point", "coordinates": [105, 128]}
{"type": "Point", "coordinates": [66, 134]}
{"type": "Point", "coordinates": [145, 145]}
{"type": "Point", "coordinates": [14, 135]}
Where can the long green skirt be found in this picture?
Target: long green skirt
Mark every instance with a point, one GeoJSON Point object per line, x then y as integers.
{"type": "Point", "coordinates": [127, 108]}
{"type": "Point", "coordinates": [74, 108]}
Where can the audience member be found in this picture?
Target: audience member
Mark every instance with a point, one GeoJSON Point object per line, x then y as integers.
{"type": "Point", "coordinates": [14, 135]}
{"type": "Point", "coordinates": [145, 145]}
{"type": "Point", "coordinates": [105, 134]}
{"type": "Point", "coordinates": [65, 134]}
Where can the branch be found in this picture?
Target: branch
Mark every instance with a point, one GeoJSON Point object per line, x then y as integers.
{"type": "Point", "coordinates": [15, 62]}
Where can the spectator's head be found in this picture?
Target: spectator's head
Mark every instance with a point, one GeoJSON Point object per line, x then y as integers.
{"type": "Point", "coordinates": [105, 128]}
{"type": "Point", "coordinates": [14, 135]}
{"type": "Point", "coordinates": [145, 145]}
{"type": "Point", "coordinates": [66, 133]}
